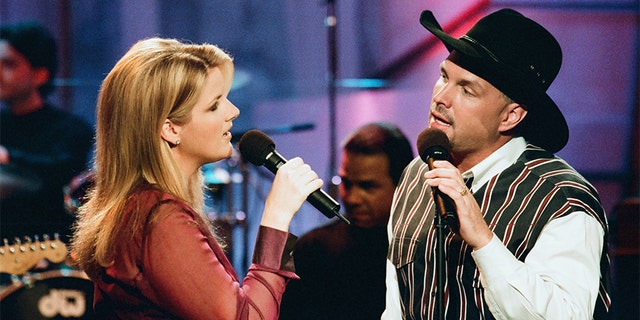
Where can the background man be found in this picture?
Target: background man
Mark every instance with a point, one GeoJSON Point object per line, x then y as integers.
{"type": "Point", "coordinates": [342, 266]}
{"type": "Point", "coordinates": [41, 146]}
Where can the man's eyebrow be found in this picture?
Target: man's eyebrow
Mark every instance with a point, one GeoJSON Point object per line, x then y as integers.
{"type": "Point", "coordinates": [473, 84]}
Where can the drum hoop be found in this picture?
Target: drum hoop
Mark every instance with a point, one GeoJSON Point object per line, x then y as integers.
{"type": "Point", "coordinates": [7, 291]}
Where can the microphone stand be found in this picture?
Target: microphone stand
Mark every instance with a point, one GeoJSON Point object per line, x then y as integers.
{"type": "Point", "coordinates": [245, 209]}
{"type": "Point", "coordinates": [440, 265]}
{"type": "Point", "coordinates": [331, 22]}
{"type": "Point", "coordinates": [440, 255]}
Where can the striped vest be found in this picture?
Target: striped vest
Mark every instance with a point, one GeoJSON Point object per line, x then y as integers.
{"type": "Point", "coordinates": [517, 204]}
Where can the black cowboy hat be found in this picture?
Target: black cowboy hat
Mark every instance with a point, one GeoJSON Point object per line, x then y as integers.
{"type": "Point", "coordinates": [520, 58]}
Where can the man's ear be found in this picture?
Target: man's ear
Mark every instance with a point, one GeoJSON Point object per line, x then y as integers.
{"type": "Point", "coordinates": [170, 132]}
{"type": "Point", "coordinates": [514, 114]}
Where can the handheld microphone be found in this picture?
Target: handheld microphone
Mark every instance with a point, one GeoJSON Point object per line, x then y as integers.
{"type": "Point", "coordinates": [433, 144]}
{"type": "Point", "coordinates": [257, 148]}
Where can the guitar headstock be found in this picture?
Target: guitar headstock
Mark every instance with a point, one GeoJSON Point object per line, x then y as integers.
{"type": "Point", "coordinates": [21, 256]}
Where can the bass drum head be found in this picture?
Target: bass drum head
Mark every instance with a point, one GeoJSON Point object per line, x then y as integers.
{"type": "Point", "coordinates": [50, 295]}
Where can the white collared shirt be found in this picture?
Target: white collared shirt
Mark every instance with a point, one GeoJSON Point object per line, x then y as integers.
{"type": "Point", "coordinates": [560, 277]}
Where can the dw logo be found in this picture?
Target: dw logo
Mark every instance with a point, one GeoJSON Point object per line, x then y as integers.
{"type": "Point", "coordinates": [64, 302]}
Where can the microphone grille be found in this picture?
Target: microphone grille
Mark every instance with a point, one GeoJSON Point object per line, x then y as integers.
{"type": "Point", "coordinates": [254, 146]}
{"type": "Point", "coordinates": [429, 138]}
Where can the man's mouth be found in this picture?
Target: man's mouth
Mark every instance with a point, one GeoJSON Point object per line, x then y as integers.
{"type": "Point", "coordinates": [440, 120]}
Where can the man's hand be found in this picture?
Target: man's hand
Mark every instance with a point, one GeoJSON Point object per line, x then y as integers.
{"type": "Point", "coordinates": [448, 179]}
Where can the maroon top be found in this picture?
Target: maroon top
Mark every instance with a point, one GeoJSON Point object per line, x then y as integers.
{"type": "Point", "coordinates": [178, 270]}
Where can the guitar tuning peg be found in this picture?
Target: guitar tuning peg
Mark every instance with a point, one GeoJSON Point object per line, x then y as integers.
{"type": "Point", "coordinates": [37, 238]}
{"type": "Point", "coordinates": [45, 237]}
{"type": "Point", "coordinates": [56, 236]}
{"type": "Point", "coordinates": [27, 239]}
{"type": "Point", "coordinates": [6, 241]}
{"type": "Point", "coordinates": [17, 241]}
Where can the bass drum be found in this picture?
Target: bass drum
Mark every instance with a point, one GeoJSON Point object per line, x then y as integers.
{"type": "Point", "coordinates": [66, 294]}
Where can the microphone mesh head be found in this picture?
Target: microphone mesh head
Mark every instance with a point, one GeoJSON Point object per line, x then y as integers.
{"type": "Point", "coordinates": [429, 138]}
{"type": "Point", "coordinates": [254, 146]}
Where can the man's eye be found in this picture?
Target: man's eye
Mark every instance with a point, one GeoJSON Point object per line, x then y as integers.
{"type": "Point", "coordinates": [366, 186]}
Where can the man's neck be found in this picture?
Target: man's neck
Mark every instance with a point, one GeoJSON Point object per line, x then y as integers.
{"type": "Point", "coordinates": [465, 161]}
{"type": "Point", "coordinates": [28, 105]}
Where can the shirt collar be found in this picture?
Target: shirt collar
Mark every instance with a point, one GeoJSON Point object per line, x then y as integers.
{"type": "Point", "coordinates": [499, 160]}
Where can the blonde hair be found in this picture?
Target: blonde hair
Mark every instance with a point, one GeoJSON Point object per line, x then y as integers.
{"type": "Point", "coordinates": [157, 79]}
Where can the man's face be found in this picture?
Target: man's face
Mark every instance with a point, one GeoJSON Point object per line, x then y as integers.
{"type": "Point", "coordinates": [366, 189]}
{"type": "Point", "coordinates": [18, 79]}
{"type": "Point", "coordinates": [468, 109]}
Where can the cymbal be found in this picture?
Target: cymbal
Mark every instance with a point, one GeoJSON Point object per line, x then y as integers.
{"type": "Point", "coordinates": [15, 180]}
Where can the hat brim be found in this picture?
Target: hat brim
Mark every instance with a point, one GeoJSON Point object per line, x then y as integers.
{"type": "Point", "coordinates": [544, 125]}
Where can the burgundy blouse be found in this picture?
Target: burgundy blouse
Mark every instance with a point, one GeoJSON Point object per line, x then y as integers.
{"type": "Point", "coordinates": [177, 270]}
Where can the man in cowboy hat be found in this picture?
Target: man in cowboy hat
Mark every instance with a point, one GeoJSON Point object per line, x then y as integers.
{"type": "Point", "coordinates": [531, 240]}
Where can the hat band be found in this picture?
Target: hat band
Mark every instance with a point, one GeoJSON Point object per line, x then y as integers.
{"type": "Point", "coordinates": [479, 45]}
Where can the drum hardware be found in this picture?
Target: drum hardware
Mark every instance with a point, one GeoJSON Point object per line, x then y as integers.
{"type": "Point", "coordinates": [227, 203]}
{"type": "Point", "coordinates": [16, 180]}
{"type": "Point", "coordinates": [75, 192]}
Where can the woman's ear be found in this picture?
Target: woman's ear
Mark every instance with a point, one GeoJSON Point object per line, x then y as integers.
{"type": "Point", "coordinates": [514, 114]}
{"type": "Point", "coordinates": [170, 133]}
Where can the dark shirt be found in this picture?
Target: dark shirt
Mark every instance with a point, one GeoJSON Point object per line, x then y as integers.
{"type": "Point", "coordinates": [47, 147]}
{"type": "Point", "coordinates": [342, 274]}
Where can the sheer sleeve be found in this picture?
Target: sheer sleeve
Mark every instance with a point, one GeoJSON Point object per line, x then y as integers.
{"type": "Point", "coordinates": [185, 271]}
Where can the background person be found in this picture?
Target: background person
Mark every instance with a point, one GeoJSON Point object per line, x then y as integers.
{"type": "Point", "coordinates": [342, 266]}
{"type": "Point", "coordinates": [41, 147]}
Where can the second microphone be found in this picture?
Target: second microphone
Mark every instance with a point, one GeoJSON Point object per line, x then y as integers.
{"type": "Point", "coordinates": [257, 148]}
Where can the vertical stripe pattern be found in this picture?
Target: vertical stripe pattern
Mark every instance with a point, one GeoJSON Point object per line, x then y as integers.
{"type": "Point", "coordinates": [517, 204]}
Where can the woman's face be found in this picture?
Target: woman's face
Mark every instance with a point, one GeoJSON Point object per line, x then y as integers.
{"type": "Point", "coordinates": [207, 137]}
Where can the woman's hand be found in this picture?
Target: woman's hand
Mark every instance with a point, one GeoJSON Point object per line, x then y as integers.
{"type": "Point", "coordinates": [293, 183]}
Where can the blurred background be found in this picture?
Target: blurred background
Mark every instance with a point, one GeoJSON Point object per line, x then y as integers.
{"type": "Point", "coordinates": [307, 80]}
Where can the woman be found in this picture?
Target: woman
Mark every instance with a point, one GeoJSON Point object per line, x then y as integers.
{"type": "Point", "coordinates": [142, 236]}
